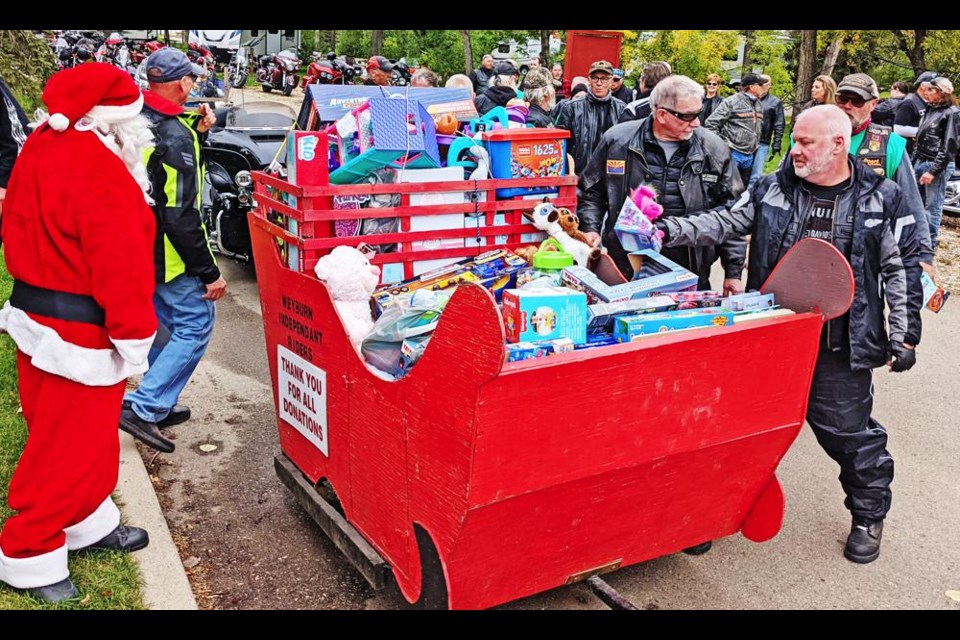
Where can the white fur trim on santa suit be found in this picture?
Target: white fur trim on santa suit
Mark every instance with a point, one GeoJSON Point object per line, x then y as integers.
{"type": "Point", "coordinates": [110, 114]}
{"type": "Point", "coordinates": [35, 571]}
{"type": "Point", "coordinates": [94, 527]}
{"type": "Point", "coordinates": [51, 353]}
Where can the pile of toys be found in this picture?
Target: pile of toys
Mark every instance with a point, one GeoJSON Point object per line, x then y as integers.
{"type": "Point", "coordinates": [550, 304]}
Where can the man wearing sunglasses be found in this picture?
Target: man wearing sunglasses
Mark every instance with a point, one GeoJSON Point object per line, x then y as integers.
{"type": "Point", "coordinates": [882, 150]}
{"type": "Point", "coordinates": [820, 192]}
{"type": "Point", "coordinates": [739, 120]}
{"type": "Point", "coordinates": [589, 118]}
{"type": "Point", "coordinates": [689, 167]}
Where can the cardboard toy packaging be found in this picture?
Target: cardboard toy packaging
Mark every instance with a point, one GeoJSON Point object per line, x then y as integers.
{"type": "Point", "coordinates": [600, 316]}
{"type": "Point", "coordinates": [539, 349]}
{"type": "Point", "coordinates": [545, 314]}
{"type": "Point", "coordinates": [933, 296]}
{"type": "Point", "coordinates": [659, 274]}
{"type": "Point", "coordinates": [629, 328]}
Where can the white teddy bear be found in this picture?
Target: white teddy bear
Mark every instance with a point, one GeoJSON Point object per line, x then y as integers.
{"type": "Point", "coordinates": [350, 279]}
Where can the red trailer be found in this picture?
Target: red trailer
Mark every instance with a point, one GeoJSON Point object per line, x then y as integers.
{"type": "Point", "coordinates": [584, 47]}
{"type": "Point", "coordinates": [472, 481]}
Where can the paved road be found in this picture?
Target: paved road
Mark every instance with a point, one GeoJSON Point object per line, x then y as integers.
{"type": "Point", "coordinates": [258, 550]}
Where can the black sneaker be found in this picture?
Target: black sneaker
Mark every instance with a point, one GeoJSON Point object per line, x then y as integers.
{"type": "Point", "coordinates": [146, 432]}
{"type": "Point", "coordinates": [122, 538]}
{"type": "Point", "coordinates": [180, 413]}
{"type": "Point", "coordinates": [863, 543]}
{"type": "Point", "coordinates": [56, 592]}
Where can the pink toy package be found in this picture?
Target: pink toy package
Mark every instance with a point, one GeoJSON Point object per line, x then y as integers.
{"type": "Point", "coordinates": [634, 225]}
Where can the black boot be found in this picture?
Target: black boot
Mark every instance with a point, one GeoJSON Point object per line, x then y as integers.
{"type": "Point", "coordinates": [863, 543]}
{"type": "Point", "coordinates": [56, 592]}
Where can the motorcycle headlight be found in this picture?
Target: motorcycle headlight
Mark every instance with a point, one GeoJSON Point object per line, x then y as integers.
{"type": "Point", "coordinates": [243, 179]}
{"type": "Point", "coordinates": [326, 75]}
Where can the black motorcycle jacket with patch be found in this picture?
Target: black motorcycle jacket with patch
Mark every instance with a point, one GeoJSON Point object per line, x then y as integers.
{"type": "Point", "coordinates": [586, 119]}
{"type": "Point", "coordinates": [700, 175]}
{"type": "Point", "coordinates": [884, 251]}
{"type": "Point", "coordinates": [937, 138]}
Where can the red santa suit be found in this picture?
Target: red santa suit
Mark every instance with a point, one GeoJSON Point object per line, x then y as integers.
{"type": "Point", "coordinates": [75, 221]}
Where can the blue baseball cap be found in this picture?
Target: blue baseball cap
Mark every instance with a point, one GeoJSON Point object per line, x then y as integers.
{"type": "Point", "coordinates": [618, 73]}
{"type": "Point", "coordinates": [169, 64]}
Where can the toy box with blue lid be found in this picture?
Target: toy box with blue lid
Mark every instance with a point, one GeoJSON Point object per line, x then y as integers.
{"type": "Point", "coordinates": [383, 132]}
{"type": "Point", "coordinates": [526, 153]}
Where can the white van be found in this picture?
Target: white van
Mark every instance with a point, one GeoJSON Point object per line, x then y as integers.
{"type": "Point", "coordinates": [523, 53]}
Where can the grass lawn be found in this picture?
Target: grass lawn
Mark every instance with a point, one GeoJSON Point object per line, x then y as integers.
{"type": "Point", "coordinates": [105, 579]}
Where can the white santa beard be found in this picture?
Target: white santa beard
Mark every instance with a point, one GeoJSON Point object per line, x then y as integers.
{"type": "Point", "coordinates": [128, 139]}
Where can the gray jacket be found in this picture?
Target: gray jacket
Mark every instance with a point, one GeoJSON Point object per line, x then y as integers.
{"type": "Point", "coordinates": [884, 251]}
{"type": "Point", "coordinates": [738, 120]}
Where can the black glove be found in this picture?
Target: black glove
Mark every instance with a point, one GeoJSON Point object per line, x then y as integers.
{"type": "Point", "coordinates": [661, 225]}
{"type": "Point", "coordinates": [904, 358]}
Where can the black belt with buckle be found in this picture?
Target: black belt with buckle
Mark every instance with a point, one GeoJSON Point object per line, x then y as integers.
{"type": "Point", "coordinates": [74, 307]}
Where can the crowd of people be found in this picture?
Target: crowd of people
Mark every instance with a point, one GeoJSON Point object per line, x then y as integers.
{"type": "Point", "coordinates": [865, 175]}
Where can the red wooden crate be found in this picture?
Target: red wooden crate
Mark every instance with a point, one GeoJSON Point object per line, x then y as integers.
{"type": "Point", "coordinates": [315, 217]}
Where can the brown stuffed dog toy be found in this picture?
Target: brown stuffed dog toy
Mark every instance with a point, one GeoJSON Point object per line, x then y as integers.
{"type": "Point", "coordinates": [571, 224]}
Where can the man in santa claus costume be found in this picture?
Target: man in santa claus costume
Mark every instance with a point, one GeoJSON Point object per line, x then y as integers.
{"type": "Point", "coordinates": [78, 234]}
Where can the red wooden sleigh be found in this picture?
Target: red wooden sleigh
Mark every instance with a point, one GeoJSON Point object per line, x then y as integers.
{"type": "Point", "coordinates": [472, 482]}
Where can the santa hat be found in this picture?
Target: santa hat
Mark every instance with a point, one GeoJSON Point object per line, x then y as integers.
{"type": "Point", "coordinates": [104, 92]}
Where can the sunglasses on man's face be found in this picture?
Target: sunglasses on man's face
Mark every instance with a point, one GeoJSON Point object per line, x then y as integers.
{"type": "Point", "coordinates": [855, 100]}
{"type": "Point", "coordinates": [686, 117]}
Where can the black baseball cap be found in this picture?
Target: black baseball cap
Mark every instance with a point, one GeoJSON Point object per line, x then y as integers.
{"type": "Point", "coordinates": [169, 64]}
{"type": "Point", "coordinates": [926, 76]}
{"type": "Point", "coordinates": [379, 62]}
{"type": "Point", "coordinates": [505, 68]}
{"type": "Point", "coordinates": [750, 79]}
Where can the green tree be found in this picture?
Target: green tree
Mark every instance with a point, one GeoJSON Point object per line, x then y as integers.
{"type": "Point", "coordinates": [26, 62]}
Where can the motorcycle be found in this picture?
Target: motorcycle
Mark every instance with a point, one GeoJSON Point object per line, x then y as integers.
{"type": "Point", "coordinates": [401, 74]}
{"type": "Point", "coordinates": [333, 70]}
{"type": "Point", "coordinates": [238, 67]}
{"type": "Point", "coordinates": [951, 204]}
{"type": "Point", "coordinates": [278, 71]}
{"type": "Point", "coordinates": [246, 138]}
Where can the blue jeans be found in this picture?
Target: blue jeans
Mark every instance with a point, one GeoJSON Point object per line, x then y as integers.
{"type": "Point", "coordinates": [933, 196]}
{"type": "Point", "coordinates": [759, 159]}
{"type": "Point", "coordinates": [181, 308]}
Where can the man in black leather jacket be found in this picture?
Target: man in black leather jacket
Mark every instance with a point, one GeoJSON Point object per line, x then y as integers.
{"type": "Point", "coordinates": [819, 192]}
{"type": "Point", "coordinates": [589, 118]}
{"type": "Point", "coordinates": [689, 167]}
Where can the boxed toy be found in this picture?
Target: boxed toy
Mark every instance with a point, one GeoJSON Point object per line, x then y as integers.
{"type": "Point", "coordinates": [749, 301]}
{"type": "Point", "coordinates": [671, 277]}
{"type": "Point", "coordinates": [628, 328]}
{"type": "Point", "coordinates": [526, 153]}
{"type": "Point", "coordinates": [539, 349]}
{"type": "Point", "coordinates": [435, 280]}
{"type": "Point", "coordinates": [600, 316]}
{"type": "Point", "coordinates": [545, 314]}
{"type": "Point", "coordinates": [933, 296]}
